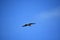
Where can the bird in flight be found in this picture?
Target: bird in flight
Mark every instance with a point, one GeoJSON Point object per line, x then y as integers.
{"type": "Point", "coordinates": [29, 24]}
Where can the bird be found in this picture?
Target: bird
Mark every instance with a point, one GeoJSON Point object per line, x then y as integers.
{"type": "Point", "coordinates": [28, 24]}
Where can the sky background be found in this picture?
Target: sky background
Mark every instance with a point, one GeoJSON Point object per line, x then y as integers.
{"type": "Point", "coordinates": [15, 13]}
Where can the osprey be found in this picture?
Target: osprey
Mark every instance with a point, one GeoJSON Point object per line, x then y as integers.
{"type": "Point", "coordinates": [29, 24]}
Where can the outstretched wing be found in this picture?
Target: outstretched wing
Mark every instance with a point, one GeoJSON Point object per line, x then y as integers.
{"type": "Point", "coordinates": [32, 23]}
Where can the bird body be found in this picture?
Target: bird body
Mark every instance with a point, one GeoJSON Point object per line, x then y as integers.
{"type": "Point", "coordinates": [29, 24]}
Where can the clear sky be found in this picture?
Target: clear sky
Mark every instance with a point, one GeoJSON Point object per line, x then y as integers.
{"type": "Point", "coordinates": [15, 13]}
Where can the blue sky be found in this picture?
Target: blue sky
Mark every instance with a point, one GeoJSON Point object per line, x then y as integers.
{"type": "Point", "coordinates": [15, 13]}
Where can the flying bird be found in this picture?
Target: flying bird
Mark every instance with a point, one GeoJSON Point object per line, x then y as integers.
{"type": "Point", "coordinates": [29, 24]}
